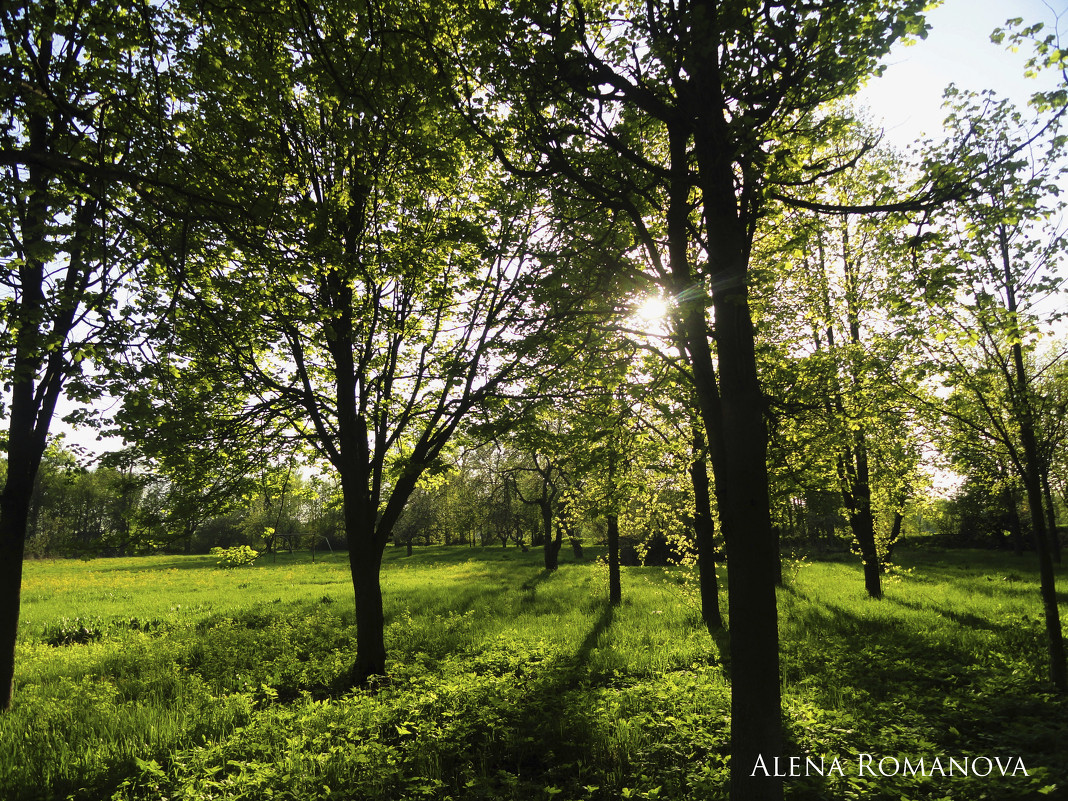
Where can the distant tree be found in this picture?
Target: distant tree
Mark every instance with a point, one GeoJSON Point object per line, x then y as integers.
{"type": "Point", "coordinates": [839, 357]}
{"type": "Point", "coordinates": [992, 259]}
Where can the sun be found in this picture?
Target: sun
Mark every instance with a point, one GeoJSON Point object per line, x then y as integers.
{"type": "Point", "coordinates": [652, 309]}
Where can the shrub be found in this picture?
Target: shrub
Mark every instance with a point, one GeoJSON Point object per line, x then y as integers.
{"type": "Point", "coordinates": [74, 631]}
{"type": "Point", "coordinates": [237, 556]}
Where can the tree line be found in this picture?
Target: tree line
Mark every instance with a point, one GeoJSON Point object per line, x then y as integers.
{"type": "Point", "coordinates": [361, 233]}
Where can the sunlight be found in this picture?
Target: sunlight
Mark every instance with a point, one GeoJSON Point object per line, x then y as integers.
{"type": "Point", "coordinates": [653, 309]}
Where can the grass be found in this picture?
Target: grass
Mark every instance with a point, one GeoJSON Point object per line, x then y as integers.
{"type": "Point", "coordinates": [167, 677]}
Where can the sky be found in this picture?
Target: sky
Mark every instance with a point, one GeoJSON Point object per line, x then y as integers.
{"type": "Point", "coordinates": [908, 97]}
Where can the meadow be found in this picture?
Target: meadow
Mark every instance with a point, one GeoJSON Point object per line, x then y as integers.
{"type": "Point", "coordinates": [168, 677]}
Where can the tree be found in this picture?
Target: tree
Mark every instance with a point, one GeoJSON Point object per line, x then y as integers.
{"type": "Point", "coordinates": [995, 258]}
{"type": "Point", "coordinates": [375, 288]}
{"type": "Point", "coordinates": [836, 349]}
{"type": "Point", "coordinates": [81, 92]}
{"type": "Point", "coordinates": [731, 88]}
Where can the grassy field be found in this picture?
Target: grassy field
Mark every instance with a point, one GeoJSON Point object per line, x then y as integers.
{"type": "Point", "coordinates": [167, 677]}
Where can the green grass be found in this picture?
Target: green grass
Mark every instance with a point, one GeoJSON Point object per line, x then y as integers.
{"type": "Point", "coordinates": [167, 677]}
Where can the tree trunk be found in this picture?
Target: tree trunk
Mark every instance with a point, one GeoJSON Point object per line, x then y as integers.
{"type": "Point", "coordinates": [552, 546]}
{"type": "Point", "coordinates": [615, 590]}
{"type": "Point", "coordinates": [1051, 518]}
{"type": "Point", "coordinates": [1058, 673]}
{"type": "Point", "coordinates": [1031, 474]}
{"type": "Point", "coordinates": [703, 529]}
{"type": "Point", "coordinates": [742, 491]}
{"type": "Point", "coordinates": [552, 551]}
{"type": "Point", "coordinates": [30, 411]}
{"type": "Point", "coordinates": [14, 514]}
{"type": "Point", "coordinates": [1015, 525]}
{"type": "Point", "coordinates": [365, 565]}
{"type": "Point", "coordinates": [741, 468]}
{"type": "Point", "coordinates": [895, 533]}
{"type": "Point", "coordinates": [732, 411]}
{"type": "Point", "coordinates": [1054, 637]}
{"type": "Point", "coordinates": [861, 517]}
{"type": "Point", "coordinates": [864, 531]}
{"type": "Point", "coordinates": [27, 436]}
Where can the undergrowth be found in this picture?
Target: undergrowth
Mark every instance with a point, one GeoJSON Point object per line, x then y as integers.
{"type": "Point", "coordinates": [161, 678]}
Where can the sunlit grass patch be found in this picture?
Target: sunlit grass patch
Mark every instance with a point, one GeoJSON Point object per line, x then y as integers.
{"type": "Point", "coordinates": [506, 681]}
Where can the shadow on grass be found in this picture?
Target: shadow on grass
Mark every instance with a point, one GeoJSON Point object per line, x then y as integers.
{"type": "Point", "coordinates": [907, 684]}
{"type": "Point", "coordinates": [963, 619]}
{"type": "Point", "coordinates": [550, 729]}
{"type": "Point", "coordinates": [194, 562]}
{"type": "Point", "coordinates": [532, 583]}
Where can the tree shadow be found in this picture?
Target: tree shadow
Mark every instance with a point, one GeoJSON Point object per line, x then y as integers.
{"type": "Point", "coordinates": [964, 619]}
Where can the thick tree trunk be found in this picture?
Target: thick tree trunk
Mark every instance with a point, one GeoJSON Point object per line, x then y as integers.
{"type": "Point", "coordinates": [1032, 479]}
{"type": "Point", "coordinates": [552, 551]}
{"type": "Point", "coordinates": [732, 411]}
{"type": "Point", "coordinates": [864, 530]}
{"type": "Point", "coordinates": [856, 490]}
{"type": "Point", "coordinates": [895, 533]}
{"type": "Point", "coordinates": [33, 402]}
{"type": "Point", "coordinates": [31, 412]}
{"type": "Point", "coordinates": [703, 529]}
{"type": "Point", "coordinates": [1054, 636]}
{"type": "Point", "coordinates": [615, 588]}
{"type": "Point", "coordinates": [756, 707]}
{"type": "Point", "coordinates": [1058, 671]}
{"type": "Point", "coordinates": [365, 566]}
{"type": "Point", "coordinates": [14, 514]}
{"type": "Point", "coordinates": [25, 450]}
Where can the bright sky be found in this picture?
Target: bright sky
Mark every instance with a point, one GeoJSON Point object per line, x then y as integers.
{"type": "Point", "coordinates": [908, 97]}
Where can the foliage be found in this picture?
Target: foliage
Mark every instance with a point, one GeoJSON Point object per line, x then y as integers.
{"type": "Point", "coordinates": [237, 556]}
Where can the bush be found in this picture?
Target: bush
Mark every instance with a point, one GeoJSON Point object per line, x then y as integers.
{"type": "Point", "coordinates": [237, 556]}
{"type": "Point", "coordinates": [74, 631]}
